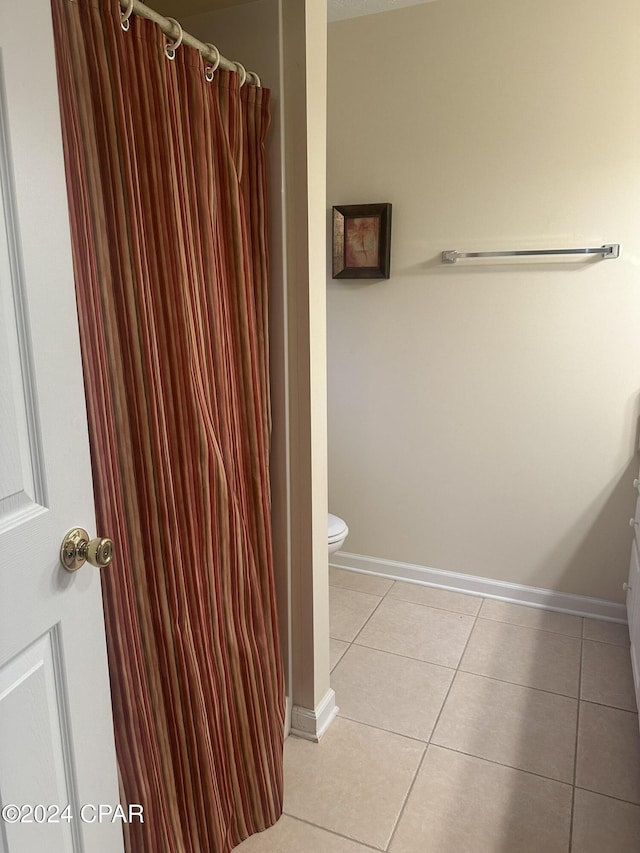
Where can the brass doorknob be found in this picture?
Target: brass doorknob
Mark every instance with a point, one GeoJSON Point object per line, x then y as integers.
{"type": "Point", "coordinates": [77, 547]}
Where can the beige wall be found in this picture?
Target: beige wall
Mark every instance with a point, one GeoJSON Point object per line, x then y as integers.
{"type": "Point", "coordinates": [482, 418]}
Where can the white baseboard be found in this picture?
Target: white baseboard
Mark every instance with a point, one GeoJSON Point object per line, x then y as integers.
{"type": "Point", "coordinates": [312, 723]}
{"type": "Point", "coordinates": [549, 599]}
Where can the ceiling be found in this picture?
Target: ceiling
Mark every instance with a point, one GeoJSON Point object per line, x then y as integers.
{"type": "Point", "coordinates": [338, 10]}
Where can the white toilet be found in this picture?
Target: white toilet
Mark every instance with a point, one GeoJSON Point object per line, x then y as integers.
{"type": "Point", "coordinates": [338, 532]}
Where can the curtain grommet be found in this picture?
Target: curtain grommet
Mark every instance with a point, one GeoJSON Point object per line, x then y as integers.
{"type": "Point", "coordinates": [240, 68]}
{"type": "Point", "coordinates": [210, 70]}
{"type": "Point", "coordinates": [256, 80]}
{"type": "Point", "coordinates": [125, 23]}
{"type": "Point", "coordinates": [170, 49]}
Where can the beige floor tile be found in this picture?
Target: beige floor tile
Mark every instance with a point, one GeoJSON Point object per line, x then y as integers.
{"type": "Point", "coordinates": [359, 581]}
{"type": "Point", "coordinates": [524, 728]}
{"type": "Point", "coordinates": [462, 804]}
{"type": "Point", "coordinates": [603, 825]}
{"type": "Point", "coordinates": [606, 632]}
{"type": "Point", "coordinates": [607, 677]}
{"type": "Point", "coordinates": [349, 610]}
{"type": "Point", "coordinates": [435, 636]}
{"type": "Point", "coordinates": [608, 760]}
{"type": "Point", "coordinates": [336, 649]}
{"type": "Point", "coordinates": [395, 693]}
{"type": "Point", "coordinates": [293, 836]}
{"type": "Point", "coordinates": [353, 782]}
{"type": "Point", "coordinates": [524, 656]}
{"type": "Point", "coordinates": [458, 602]}
{"type": "Point", "coordinates": [531, 617]}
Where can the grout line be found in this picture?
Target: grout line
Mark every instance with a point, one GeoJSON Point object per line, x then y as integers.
{"type": "Point", "coordinates": [575, 750]}
{"type": "Point", "coordinates": [359, 591]}
{"type": "Point", "coordinates": [437, 720]}
{"type": "Point", "coordinates": [501, 764]}
{"type": "Point", "coordinates": [435, 606]}
{"type": "Point", "coordinates": [407, 795]}
{"type": "Point", "coordinates": [333, 832]}
{"type": "Point", "coordinates": [383, 729]}
{"type": "Point", "coordinates": [389, 590]}
{"type": "Point", "coordinates": [409, 601]}
{"type": "Point", "coordinates": [344, 651]}
{"type": "Point", "coordinates": [518, 684]}
{"type": "Point", "coordinates": [612, 707]}
{"type": "Point", "coordinates": [454, 677]}
{"type": "Point", "coordinates": [607, 643]}
{"type": "Point", "coordinates": [366, 621]}
{"type": "Point", "coordinates": [609, 796]}
{"type": "Point", "coordinates": [400, 655]}
{"type": "Point", "coordinates": [626, 645]}
{"type": "Point", "coordinates": [604, 643]}
{"type": "Point", "coordinates": [535, 628]}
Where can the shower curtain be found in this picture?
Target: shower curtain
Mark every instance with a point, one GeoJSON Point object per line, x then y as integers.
{"type": "Point", "coordinates": [166, 183]}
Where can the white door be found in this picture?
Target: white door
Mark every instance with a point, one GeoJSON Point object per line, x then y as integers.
{"type": "Point", "coordinates": [56, 729]}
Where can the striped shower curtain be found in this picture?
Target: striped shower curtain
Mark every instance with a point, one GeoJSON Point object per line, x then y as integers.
{"type": "Point", "coordinates": [166, 182]}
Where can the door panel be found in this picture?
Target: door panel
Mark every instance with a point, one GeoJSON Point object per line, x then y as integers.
{"type": "Point", "coordinates": [21, 486]}
{"type": "Point", "coordinates": [32, 710]}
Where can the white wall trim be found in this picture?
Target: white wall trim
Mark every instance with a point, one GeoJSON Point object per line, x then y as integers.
{"type": "Point", "coordinates": [287, 716]}
{"type": "Point", "coordinates": [312, 723]}
{"type": "Point", "coordinates": [549, 599]}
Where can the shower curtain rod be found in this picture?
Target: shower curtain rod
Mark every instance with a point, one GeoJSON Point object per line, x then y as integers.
{"type": "Point", "coordinates": [169, 28]}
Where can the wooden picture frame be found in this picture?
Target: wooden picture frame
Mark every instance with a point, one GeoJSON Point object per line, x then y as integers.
{"type": "Point", "coordinates": [361, 240]}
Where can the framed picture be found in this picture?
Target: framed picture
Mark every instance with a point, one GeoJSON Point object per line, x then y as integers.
{"type": "Point", "coordinates": [361, 240]}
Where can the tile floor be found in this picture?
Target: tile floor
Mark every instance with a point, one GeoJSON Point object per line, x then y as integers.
{"type": "Point", "coordinates": [466, 726]}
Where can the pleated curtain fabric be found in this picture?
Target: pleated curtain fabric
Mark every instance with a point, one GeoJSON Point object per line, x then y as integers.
{"type": "Point", "coordinates": [166, 182]}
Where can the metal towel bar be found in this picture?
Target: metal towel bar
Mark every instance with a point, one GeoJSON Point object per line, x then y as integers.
{"type": "Point", "coordinates": [611, 250]}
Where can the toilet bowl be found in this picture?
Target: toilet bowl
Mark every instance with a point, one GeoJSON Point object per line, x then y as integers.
{"type": "Point", "coordinates": [338, 532]}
